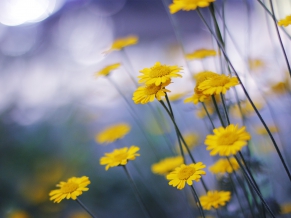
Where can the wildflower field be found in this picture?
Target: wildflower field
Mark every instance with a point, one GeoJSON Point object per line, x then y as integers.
{"type": "Point", "coordinates": [145, 108]}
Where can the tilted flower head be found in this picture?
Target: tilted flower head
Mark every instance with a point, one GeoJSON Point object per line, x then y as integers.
{"type": "Point", "coordinates": [112, 133]}
{"type": "Point", "coordinates": [167, 165]}
{"type": "Point", "coordinates": [120, 43]}
{"type": "Point", "coordinates": [201, 53]}
{"type": "Point", "coordinates": [145, 94]}
{"type": "Point", "coordinates": [197, 97]}
{"type": "Point", "coordinates": [223, 166]}
{"type": "Point", "coordinates": [159, 74]}
{"type": "Point", "coordinates": [119, 156]}
{"type": "Point", "coordinates": [186, 174]}
{"type": "Point", "coordinates": [285, 22]}
{"type": "Point", "coordinates": [227, 141]}
{"type": "Point", "coordinates": [217, 85]}
{"type": "Point", "coordinates": [108, 69]}
{"type": "Point", "coordinates": [70, 189]}
{"type": "Point", "coordinates": [204, 75]}
{"type": "Point", "coordinates": [214, 199]}
{"type": "Point", "coordinates": [188, 5]}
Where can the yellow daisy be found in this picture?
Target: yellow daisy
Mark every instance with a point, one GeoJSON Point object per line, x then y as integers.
{"type": "Point", "coordinates": [191, 140]}
{"type": "Point", "coordinates": [145, 94]}
{"type": "Point", "coordinates": [188, 5]}
{"type": "Point", "coordinates": [112, 133]}
{"type": "Point", "coordinates": [227, 141]}
{"type": "Point", "coordinates": [246, 108]}
{"type": "Point", "coordinates": [186, 173]}
{"type": "Point", "coordinates": [158, 74]}
{"type": "Point", "coordinates": [106, 70]}
{"type": "Point", "coordinates": [119, 156]}
{"type": "Point", "coordinates": [223, 166]}
{"type": "Point", "coordinates": [214, 199]}
{"type": "Point", "coordinates": [285, 22]}
{"type": "Point", "coordinates": [281, 87]}
{"type": "Point", "coordinates": [70, 189]}
{"type": "Point", "coordinates": [217, 85]}
{"type": "Point", "coordinates": [262, 130]}
{"type": "Point", "coordinates": [167, 165]}
{"type": "Point", "coordinates": [198, 96]}
{"type": "Point", "coordinates": [201, 53]}
{"type": "Point", "coordinates": [120, 43]}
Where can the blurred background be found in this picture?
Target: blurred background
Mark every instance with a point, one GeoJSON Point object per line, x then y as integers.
{"type": "Point", "coordinates": [52, 105]}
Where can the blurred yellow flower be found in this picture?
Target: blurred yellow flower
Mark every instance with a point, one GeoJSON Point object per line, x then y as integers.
{"type": "Point", "coordinates": [70, 189]}
{"type": "Point", "coordinates": [246, 108]}
{"type": "Point", "coordinates": [188, 5]}
{"type": "Point", "coordinates": [201, 113]}
{"type": "Point", "coordinates": [167, 165]}
{"type": "Point", "coordinates": [223, 166]}
{"type": "Point", "coordinates": [119, 156]}
{"type": "Point", "coordinates": [186, 174]}
{"type": "Point", "coordinates": [112, 133]}
{"type": "Point", "coordinates": [255, 64]}
{"type": "Point", "coordinates": [145, 94]}
{"type": "Point", "coordinates": [281, 87]}
{"type": "Point", "coordinates": [214, 199]}
{"type": "Point", "coordinates": [285, 22]}
{"type": "Point", "coordinates": [176, 97]}
{"type": "Point", "coordinates": [108, 69]}
{"type": "Point", "coordinates": [201, 53]}
{"type": "Point", "coordinates": [191, 139]}
{"type": "Point", "coordinates": [158, 74]}
{"type": "Point", "coordinates": [197, 97]}
{"type": "Point", "coordinates": [80, 214]}
{"type": "Point", "coordinates": [18, 214]}
{"type": "Point", "coordinates": [120, 43]}
{"type": "Point", "coordinates": [227, 141]}
{"type": "Point", "coordinates": [204, 75]}
{"type": "Point", "coordinates": [262, 130]}
{"type": "Point", "coordinates": [285, 208]}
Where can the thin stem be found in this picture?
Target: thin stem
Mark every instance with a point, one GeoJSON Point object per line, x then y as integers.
{"type": "Point", "coordinates": [197, 201]}
{"type": "Point", "coordinates": [217, 110]}
{"type": "Point", "coordinates": [85, 208]}
{"type": "Point", "coordinates": [225, 109]}
{"type": "Point", "coordinates": [212, 124]}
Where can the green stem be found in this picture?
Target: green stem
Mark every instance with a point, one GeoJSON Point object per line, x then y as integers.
{"type": "Point", "coordinates": [85, 208]}
{"type": "Point", "coordinates": [205, 109]}
{"type": "Point", "coordinates": [225, 109]}
{"type": "Point", "coordinates": [197, 201]}
{"type": "Point", "coordinates": [217, 110]}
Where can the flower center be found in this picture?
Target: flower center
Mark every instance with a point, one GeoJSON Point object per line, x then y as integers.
{"type": "Point", "coordinates": [185, 173]}
{"type": "Point", "coordinates": [69, 187]}
{"type": "Point", "coordinates": [119, 157]}
{"type": "Point", "coordinates": [152, 89]}
{"type": "Point", "coordinates": [227, 138]}
{"type": "Point", "coordinates": [219, 81]}
{"type": "Point", "coordinates": [158, 71]}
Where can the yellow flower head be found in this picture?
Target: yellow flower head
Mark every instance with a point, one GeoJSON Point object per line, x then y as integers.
{"type": "Point", "coordinates": [18, 214]}
{"type": "Point", "coordinates": [119, 156]}
{"type": "Point", "coordinates": [262, 130]}
{"type": "Point", "coordinates": [214, 199]}
{"type": "Point", "coordinates": [106, 70]}
{"type": "Point", "coordinates": [158, 74]}
{"type": "Point", "coordinates": [246, 108]}
{"type": "Point", "coordinates": [70, 189]}
{"type": "Point", "coordinates": [191, 140]}
{"type": "Point", "coordinates": [255, 64]}
{"type": "Point", "coordinates": [285, 208]}
{"type": "Point", "coordinates": [167, 165]}
{"type": "Point", "coordinates": [223, 166]}
{"type": "Point", "coordinates": [281, 87]}
{"type": "Point", "coordinates": [145, 94]}
{"type": "Point", "coordinates": [201, 53]}
{"type": "Point", "coordinates": [217, 85]}
{"type": "Point", "coordinates": [204, 75]}
{"type": "Point", "coordinates": [120, 43]}
{"type": "Point", "coordinates": [197, 97]}
{"type": "Point", "coordinates": [112, 133]}
{"type": "Point", "coordinates": [227, 141]}
{"type": "Point", "coordinates": [188, 5]}
{"type": "Point", "coordinates": [285, 22]}
{"type": "Point", "coordinates": [186, 173]}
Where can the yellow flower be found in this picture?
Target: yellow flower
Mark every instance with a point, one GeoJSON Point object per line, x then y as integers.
{"type": "Point", "coordinates": [281, 87]}
{"type": "Point", "coordinates": [119, 156]}
{"type": "Point", "coordinates": [285, 22]}
{"type": "Point", "coordinates": [285, 208]}
{"type": "Point", "coordinates": [255, 64]}
{"type": "Point", "coordinates": [223, 166]}
{"type": "Point", "coordinates": [176, 97]}
{"type": "Point", "coordinates": [204, 75]}
{"type": "Point", "coordinates": [188, 5]}
{"type": "Point", "coordinates": [217, 85]}
{"type": "Point", "coordinates": [70, 189]}
{"type": "Point", "coordinates": [214, 199]}
{"type": "Point", "coordinates": [167, 165]}
{"type": "Point", "coordinates": [112, 133]}
{"type": "Point", "coordinates": [197, 97]}
{"type": "Point", "coordinates": [120, 43]}
{"type": "Point", "coordinates": [158, 74]}
{"type": "Point", "coordinates": [106, 70]}
{"type": "Point", "coordinates": [191, 140]}
{"type": "Point", "coordinates": [18, 214]}
{"type": "Point", "coordinates": [145, 94]}
{"type": "Point", "coordinates": [262, 130]}
{"type": "Point", "coordinates": [186, 173]}
{"type": "Point", "coordinates": [227, 141]}
{"type": "Point", "coordinates": [246, 108]}
{"type": "Point", "coordinates": [201, 53]}
{"type": "Point", "coordinates": [81, 214]}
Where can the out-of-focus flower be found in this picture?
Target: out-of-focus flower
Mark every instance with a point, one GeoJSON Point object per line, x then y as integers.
{"type": "Point", "coordinates": [119, 156]}
{"type": "Point", "coordinates": [214, 199]}
{"type": "Point", "coordinates": [159, 74]}
{"type": "Point", "coordinates": [120, 43]}
{"type": "Point", "coordinates": [18, 214]}
{"type": "Point", "coordinates": [197, 97]}
{"type": "Point", "coordinates": [145, 94]}
{"type": "Point", "coordinates": [112, 133]}
{"type": "Point", "coordinates": [281, 87]}
{"type": "Point", "coordinates": [246, 108]}
{"type": "Point", "coordinates": [285, 22]}
{"type": "Point", "coordinates": [201, 113]}
{"type": "Point", "coordinates": [188, 5]}
{"type": "Point", "coordinates": [167, 165]}
{"type": "Point", "coordinates": [107, 70]}
{"type": "Point", "coordinates": [176, 97]}
{"type": "Point", "coordinates": [255, 64]}
{"type": "Point", "coordinates": [227, 141]}
{"type": "Point", "coordinates": [262, 130]}
{"type": "Point", "coordinates": [79, 214]}
{"type": "Point", "coordinates": [201, 53]}
{"type": "Point", "coordinates": [186, 174]}
{"type": "Point", "coordinates": [191, 140]}
{"type": "Point", "coordinates": [285, 208]}
{"type": "Point", "coordinates": [70, 189]}
{"type": "Point", "coordinates": [223, 166]}
{"type": "Point", "coordinates": [204, 75]}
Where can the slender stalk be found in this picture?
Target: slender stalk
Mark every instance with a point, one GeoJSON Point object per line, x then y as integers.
{"type": "Point", "coordinates": [217, 110]}
{"type": "Point", "coordinates": [85, 208]}
{"type": "Point", "coordinates": [197, 201]}
{"type": "Point", "coordinates": [225, 109]}
{"type": "Point", "coordinates": [212, 124]}
{"type": "Point", "coordinates": [137, 194]}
